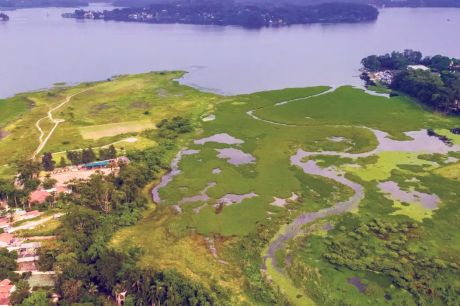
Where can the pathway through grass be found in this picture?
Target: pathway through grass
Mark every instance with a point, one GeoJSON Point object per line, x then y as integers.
{"type": "Point", "coordinates": [42, 142]}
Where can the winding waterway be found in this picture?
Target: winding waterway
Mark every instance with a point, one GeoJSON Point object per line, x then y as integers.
{"type": "Point", "coordinates": [40, 48]}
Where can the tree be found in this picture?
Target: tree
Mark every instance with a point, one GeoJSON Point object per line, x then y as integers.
{"type": "Point", "coordinates": [75, 157]}
{"type": "Point", "coordinates": [107, 153]}
{"type": "Point", "coordinates": [28, 170]}
{"type": "Point", "coordinates": [88, 156]}
{"type": "Point", "coordinates": [72, 290]}
{"type": "Point", "coordinates": [37, 298]}
{"type": "Point", "coordinates": [98, 193]}
{"type": "Point", "coordinates": [62, 162]}
{"type": "Point", "coordinates": [6, 190]}
{"type": "Point", "coordinates": [440, 63]}
{"type": "Point", "coordinates": [372, 63]}
{"type": "Point", "coordinates": [112, 152]}
{"type": "Point", "coordinates": [8, 264]}
{"type": "Point", "coordinates": [48, 162]}
{"type": "Point", "coordinates": [21, 293]}
{"type": "Point", "coordinates": [49, 183]}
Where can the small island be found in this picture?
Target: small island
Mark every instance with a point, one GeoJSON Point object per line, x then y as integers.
{"type": "Point", "coordinates": [224, 14]}
{"type": "Point", "coordinates": [433, 81]}
{"type": "Point", "coordinates": [4, 17]}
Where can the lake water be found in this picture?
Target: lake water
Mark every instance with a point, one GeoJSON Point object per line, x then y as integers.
{"type": "Point", "coordinates": [39, 48]}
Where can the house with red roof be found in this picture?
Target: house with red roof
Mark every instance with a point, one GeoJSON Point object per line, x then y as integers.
{"type": "Point", "coordinates": [38, 196]}
{"type": "Point", "coordinates": [6, 288]}
{"type": "Point", "coordinates": [6, 239]}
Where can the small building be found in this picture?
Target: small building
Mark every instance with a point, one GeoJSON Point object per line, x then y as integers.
{"type": "Point", "coordinates": [418, 67]}
{"type": "Point", "coordinates": [6, 288]}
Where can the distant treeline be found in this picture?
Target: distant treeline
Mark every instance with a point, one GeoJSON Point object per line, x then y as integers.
{"type": "Point", "coordinates": [214, 13]}
{"type": "Point", "coordinates": [379, 3]}
{"type": "Point", "coordinates": [14, 4]}
{"type": "Point", "coordinates": [438, 87]}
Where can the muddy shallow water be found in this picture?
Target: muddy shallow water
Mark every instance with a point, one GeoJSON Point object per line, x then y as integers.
{"type": "Point", "coordinates": [165, 179]}
{"type": "Point", "coordinates": [219, 138]}
{"type": "Point", "coordinates": [295, 227]}
{"type": "Point", "coordinates": [232, 198]}
{"type": "Point", "coordinates": [235, 157]}
{"type": "Point", "coordinates": [429, 201]}
{"type": "Point", "coordinates": [421, 143]}
{"type": "Point", "coordinates": [356, 281]}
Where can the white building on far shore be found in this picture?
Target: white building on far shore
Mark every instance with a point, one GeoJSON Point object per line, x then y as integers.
{"type": "Point", "coordinates": [418, 67]}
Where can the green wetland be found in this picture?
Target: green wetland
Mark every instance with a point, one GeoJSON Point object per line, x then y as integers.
{"type": "Point", "coordinates": [301, 196]}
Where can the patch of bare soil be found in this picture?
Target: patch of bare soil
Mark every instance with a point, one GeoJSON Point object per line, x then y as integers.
{"type": "Point", "coordinates": [3, 134]}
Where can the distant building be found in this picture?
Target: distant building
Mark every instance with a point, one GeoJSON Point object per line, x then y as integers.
{"type": "Point", "coordinates": [418, 67]}
{"type": "Point", "coordinates": [6, 288]}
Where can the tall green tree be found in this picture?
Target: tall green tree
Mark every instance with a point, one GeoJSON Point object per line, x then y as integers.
{"type": "Point", "coordinates": [28, 170]}
{"type": "Point", "coordinates": [88, 156]}
{"type": "Point", "coordinates": [37, 298]}
{"type": "Point", "coordinates": [8, 264]}
{"type": "Point", "coordinates": [48, 162]}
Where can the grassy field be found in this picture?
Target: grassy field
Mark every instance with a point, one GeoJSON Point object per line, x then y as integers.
{"type": "Point", "coordinates": [12, 109]}
{"type": "Point", "coordinates": [95, 132]}
{"type": "Point", "coordinates": [215, 243]}
{"type": "Point", "coordinates": [102, 113]}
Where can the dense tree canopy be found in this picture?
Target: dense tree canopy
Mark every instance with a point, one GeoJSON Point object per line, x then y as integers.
{"type": "Point", "coordinates": [438, 87]}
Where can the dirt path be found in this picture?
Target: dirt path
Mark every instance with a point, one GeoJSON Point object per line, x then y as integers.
{"type": "Point", "coordinates": [42, 142]}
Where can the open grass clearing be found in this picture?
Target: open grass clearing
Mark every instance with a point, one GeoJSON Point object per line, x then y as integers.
{"type": "Point", "coordinates": [112, 129]}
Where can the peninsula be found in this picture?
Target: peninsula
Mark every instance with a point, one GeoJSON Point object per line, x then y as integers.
{"type": "Point", "coordinates": [433, 81]}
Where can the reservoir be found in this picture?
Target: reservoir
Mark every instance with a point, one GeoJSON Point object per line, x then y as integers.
{"type": "Point", "coordinates": [39, 48]}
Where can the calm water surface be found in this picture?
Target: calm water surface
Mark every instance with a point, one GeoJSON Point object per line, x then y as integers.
{"type": "Point", "coordinates": [39, 48]}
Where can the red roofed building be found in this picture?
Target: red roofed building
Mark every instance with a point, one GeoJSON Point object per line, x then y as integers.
{"type": "Point", "coordinates": [6, 239]}
{"type": "Point", "coordinates": [6, 288]}
{"type": "Point", "coordinates": [38, 196]}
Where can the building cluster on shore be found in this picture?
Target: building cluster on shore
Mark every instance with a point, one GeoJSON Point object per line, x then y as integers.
{"type": "Point", "coordinates": [385, 77]}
